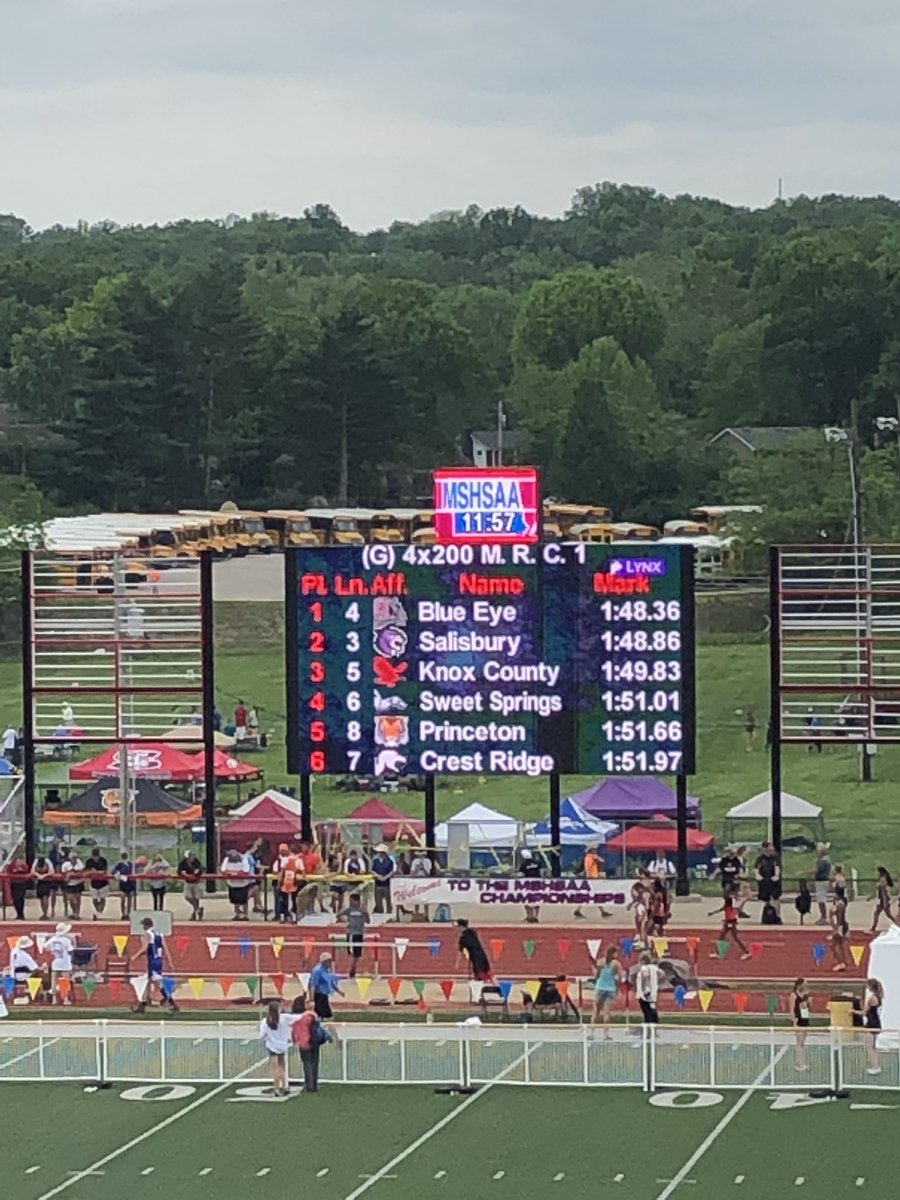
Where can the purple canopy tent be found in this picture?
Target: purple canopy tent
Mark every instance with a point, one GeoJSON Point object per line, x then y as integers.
{"type": "Point", "coordinates": [627, 799]}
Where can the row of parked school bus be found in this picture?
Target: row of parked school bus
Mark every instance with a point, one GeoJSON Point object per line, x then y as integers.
{"type": "Point", "coordinates": [162, 539]}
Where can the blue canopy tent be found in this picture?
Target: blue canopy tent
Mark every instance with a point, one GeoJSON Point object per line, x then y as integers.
{"type": "Point", "coordinates": [577, 831]}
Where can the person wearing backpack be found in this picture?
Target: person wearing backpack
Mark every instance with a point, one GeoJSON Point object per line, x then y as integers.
{"type": "Point", "coordinates": [309, 1035]}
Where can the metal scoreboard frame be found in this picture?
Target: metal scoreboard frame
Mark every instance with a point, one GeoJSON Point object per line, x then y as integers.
{"type": "Point", "coordinates": [834, 650]}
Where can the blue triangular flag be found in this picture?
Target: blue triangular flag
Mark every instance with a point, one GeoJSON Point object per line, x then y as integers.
{"type": "Point", "coordinates": [245, 946]}
{"type": "Point", "coordinates": [628, 947]}
{"type": "Point", "coordinates": [818, 952]}
{"type": "Point", "coordinates": [9, 984]}
{"type": "Point", "coordinates": [169, 985]}
{"type": "Point", "coordinates": [435, 947]}
{"type": "Point", "coordinates": [680, 993]}
{"type": "Point", "coordinates": [505, 988]}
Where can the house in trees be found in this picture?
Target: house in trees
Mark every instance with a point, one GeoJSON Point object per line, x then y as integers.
{"type": "Point", "coordinates": [483, 448]}
{"type": "Point", "coordinates": [745, 440]}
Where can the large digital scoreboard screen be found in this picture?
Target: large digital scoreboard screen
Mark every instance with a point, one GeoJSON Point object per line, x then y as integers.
{"type": "Point", "coordinates": [491, 659]}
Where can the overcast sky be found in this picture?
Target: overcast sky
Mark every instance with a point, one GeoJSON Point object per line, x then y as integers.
{"type": "Point", "coordinates": [154, 110]}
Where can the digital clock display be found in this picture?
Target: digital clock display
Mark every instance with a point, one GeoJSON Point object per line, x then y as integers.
{"type": "Point", "coordinates": [491, 658]}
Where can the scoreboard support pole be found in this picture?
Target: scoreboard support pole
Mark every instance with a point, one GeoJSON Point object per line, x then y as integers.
{"type": "Point", "coordinates": [306, 828]}
{"type": "Point", "coordinates": [555, 854]}
{"type": "Point", "coordinates": [430, 816]}
{"type": "Point", "coordinates": [207, 651]}
{"type": "Point", "coordinates": [775, 694]}
{"type": "Point", "coordinates": [28, 763]}
{"type": "Point", "coordinates": [682, 884]}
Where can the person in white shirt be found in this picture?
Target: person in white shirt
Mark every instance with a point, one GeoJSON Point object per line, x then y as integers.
{"type": "Point", "coordinates": [275, 1031]}
{"type": "Point", "coordinates": [72, 869]}
{"type": "Point", "coordinates": [9, 742]}
{"type": "Point", "coordinates": [21, 964]}
{"type": "Point", "coordinates": [661, 868]}
{"type": "Point", "coordinates": [647, 988]}
{"type": "Point", "coordinates": [61, 946]}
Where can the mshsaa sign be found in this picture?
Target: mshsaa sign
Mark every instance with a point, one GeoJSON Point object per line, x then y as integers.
{"type": "Point", "coordinates": [497, 504]}
{"type": "Point", "coordinates": [493, 892]}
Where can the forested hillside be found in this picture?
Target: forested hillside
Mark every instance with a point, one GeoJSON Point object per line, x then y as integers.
{"type": "Point", "coordinates": [271, 360]}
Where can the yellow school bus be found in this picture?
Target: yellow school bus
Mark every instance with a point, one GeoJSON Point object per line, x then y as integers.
{"type": "Point", "coordinates": [567, 515]}
{"type": "Point", "coordinates": [628, 531]}
{"type": "Point", "coordinates": [335, 528]}
{"type": "Point", "coordinates": [288, 527]}
{"type": "Point", "coordinates": [590, 533]}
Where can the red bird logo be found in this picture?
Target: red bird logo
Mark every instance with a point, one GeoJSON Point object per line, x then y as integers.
{"type": "Point", "coordinates": [388, 674]}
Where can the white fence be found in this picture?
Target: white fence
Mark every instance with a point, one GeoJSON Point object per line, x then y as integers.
{"type": "Point", "coordinates": [642, 1057]}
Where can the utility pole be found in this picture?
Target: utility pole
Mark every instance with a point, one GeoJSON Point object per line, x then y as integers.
{"type": "Point", "coordinates": [863, 562]}
{"type": "Point", "coordinates": [501, 422]}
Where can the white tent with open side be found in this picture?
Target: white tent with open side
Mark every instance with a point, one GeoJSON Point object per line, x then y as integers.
{"type": "Point", "coordinates": [759, 808]}
{"type": "Point", "coordinates": [487, 828]}
{"type": "Point", "coordinates": [289, 803]}
{"type": "Point", "coordinates": [884, 965]}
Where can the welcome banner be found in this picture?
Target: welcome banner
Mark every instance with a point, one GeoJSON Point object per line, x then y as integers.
{"type": "Point", "coordinates": [487, 892]}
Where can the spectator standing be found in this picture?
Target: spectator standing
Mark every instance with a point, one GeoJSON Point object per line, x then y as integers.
{"type": "Point", "coordinates": [883, 897]}
{"type": "Point", "coordinates": [124, 875]}
{"type": "Point", "coordinates": [356, 919]}
{"type": "Point", "coordinates": [61, 946]}
{"type": "Point", "coordinates": [730, 869]}
{"type": "Point", "coordinates": [157, 873]}
{"type": "Point", "coordinates": [470, 948]}
{"type": "Point", "coordinates": [872, 1002]}
{"type": "Point", "coordinates": [285, 868]}
{"type": "Point", "coordinates": [253, 722]}
{"type": "Point", "coordinates": [593, 864]}
{"type": "Point", "coordinates": [800, 1010]}
{"type": "Point", "coordinates": [768, 875]}
{"type": "Point", "coordinates": [384, 869]}
{"type": "Point", "coordinates": [72, 868]}
{"type": "Point", "coordinates": [241, 718]}
{"type": "Point", "coordinates": [308, 1035]}
{"type": "Point", "coordinates": [235, 871]}
{"type": "Point", "coordinates": [606, 988]}
{"type": "Point", "coordinates": [421, 866]}
{"type": "Point", "coordinates": [275, 1030]}
{"type": "Point", "coordinates": [323, 984]}
{"type": "Point", "coordinates": [749, 731]}
{"type": "Point", "coordinates": [822, 878]}
{"type": "Point", "coordinates": [190, 872]}
{"type": "Point", "coordinates": [45, 886]}
{"type": "Point", "coordinates": [19, 874]}
{"type": "Point", "coordinates": [253, 864]}
{"type": "Point", "coordinates": [156, 952]}
{"type": "Point", "coordinates": [840, 930]}
{"type": "Point", "coordinates": [647, 987]}
{"type": "Point", "coordinates": [814, 725]}
{"type": "Point", "coordinates": [531, 869]}
{"type": "Point", "coordinates": [10, 735]}
{"type": "Point", "coordinates": [97, 869]}
{"type": "Point", "coordinates": [313, 866]}
{"type": "Point", "coordinates": [661, 867]}
{"type": "Point", "coordinates": [21, 964]}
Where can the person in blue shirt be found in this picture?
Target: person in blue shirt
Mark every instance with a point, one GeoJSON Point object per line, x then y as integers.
{"type": "Point", "coordinates": [154, 950]}
{"type": "Point", "coordinates": [324, 983]}
{"type": "Point", "coordinates": [384, 869]}
{"type": "Point", "coordinates": [124, 874]}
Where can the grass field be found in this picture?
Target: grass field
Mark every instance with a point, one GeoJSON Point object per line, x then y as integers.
{"type": "Point", "coordinates": [863, 820]}
{"type": "Point", "coordinates": [402, 1143]}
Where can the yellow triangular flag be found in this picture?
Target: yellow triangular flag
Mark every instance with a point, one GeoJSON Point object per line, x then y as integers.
{"type": "Point", "coordinates": [363, 982]}
{"type": "Point", "coordinates": [705, 995]}
{"type": "Point", "coordinates": [12, 940]}
{"type": "Point", "coordinates": [277, 945]}
{"type": "Point", "coordinates": [34, 985]}
{"type": "Point", "coordinates": [120, 941]}
{"type": "Point", "coordinates": [857, 952]}
{"type": "Point", "coordinates": [661, 946]}
{"type": "Point", "coordinates": [532, 987]}
{"type": "Point", "coordinates": [196, 985]}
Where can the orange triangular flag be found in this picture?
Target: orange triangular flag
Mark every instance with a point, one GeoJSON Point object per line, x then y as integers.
{"type": "Point", "coordinates": [308, 946]}
{"type": "Point", "coordinates": [34, 985]}
{"type": "Point", "coordinates": [497, 945]}
{"type": "Point", "coordinates": [225, 983]}
{"type": "Point", "coordinates": [857, 952]}
{"type": "Point", "coordinates": [740, 1001]}
{"type": "Point", "coordinates": [12, 940]}
{"type": "Point", "coordinates": [562, 986]}
{"type": "Point", "coordinates": [120, 941]}
{"type": "Point", "coordinates": [196, 983]}
{"type": "Point", "coordinates": [278, 980]}
{"type": "Point", "coordinates": [64, 987]}
{"type": "Point", "coordinates": [692, 943]}
{"type": "Point", "coordinates": [395, 985]}
{"type": "Point", "coordinates": [363, 982]}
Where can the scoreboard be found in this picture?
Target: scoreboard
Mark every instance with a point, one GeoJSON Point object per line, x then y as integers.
{"type": "Point", "coordinates": [491, 658]}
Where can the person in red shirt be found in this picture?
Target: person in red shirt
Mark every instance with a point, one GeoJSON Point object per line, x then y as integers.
{"type": "Point", "coordinates": [312, 863]}
{"type": "Point", "coordinates": [241, 718]}
{"type": "Point", "coordinates": [19, 874]}
{"type": "Point", "coordinates": [730, 914]}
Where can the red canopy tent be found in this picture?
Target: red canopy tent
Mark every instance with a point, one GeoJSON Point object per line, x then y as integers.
{"type": "Point", "coordinates": [380, 822]}
{"type": "Point", "coordinates": [268, 820]}
{"type": "Point", "coordinates": [228, 768]}
{"type": "Point", "coordinates": [149, 760]}
{"type": "Point", "coordinates": [643, 839]}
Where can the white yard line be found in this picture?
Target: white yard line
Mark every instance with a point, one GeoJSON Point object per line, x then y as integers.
{"type": "Point", "coordinates": [717, 1132]}
{"type": "Point", "coordinates": [430, 1133]}
{"type": "Point", "coordinates": [148, 1133]}
{"type": "Point", "coordinates": [28, 1053]}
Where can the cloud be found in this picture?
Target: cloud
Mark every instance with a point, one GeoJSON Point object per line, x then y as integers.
{"type": "Point", "coordinates": [144, 110]}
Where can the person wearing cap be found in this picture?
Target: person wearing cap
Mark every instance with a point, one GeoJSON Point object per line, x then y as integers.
{"type": "Point", "coordinates": [154, 948]}
{"type": "Point", "coordinates": [61, 946]}
{"type": "Point", "coordinates": [384, 869]}
{"type": "Point", "coordinates": [21, 964]}
{"type": "Point", "coordinates": [531, 869]}
{"type": "Point", "coordinates": [286, 867]}
{"type": "Point", "coordinates": [323, 984]}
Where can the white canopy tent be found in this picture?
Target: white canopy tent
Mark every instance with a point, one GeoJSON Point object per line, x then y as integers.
{"type": "Point", "coordinates": [793, 808]}
{"type": "Point", "coordinates": [288, 803]}
{"type": "Point", "coordinates": [884, 965]}
{"type": "Point", "coordinates": [487, 828]}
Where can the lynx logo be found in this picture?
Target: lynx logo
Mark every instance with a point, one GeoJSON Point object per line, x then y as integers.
{"type": "Point", "coordinates": [638, 566]}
